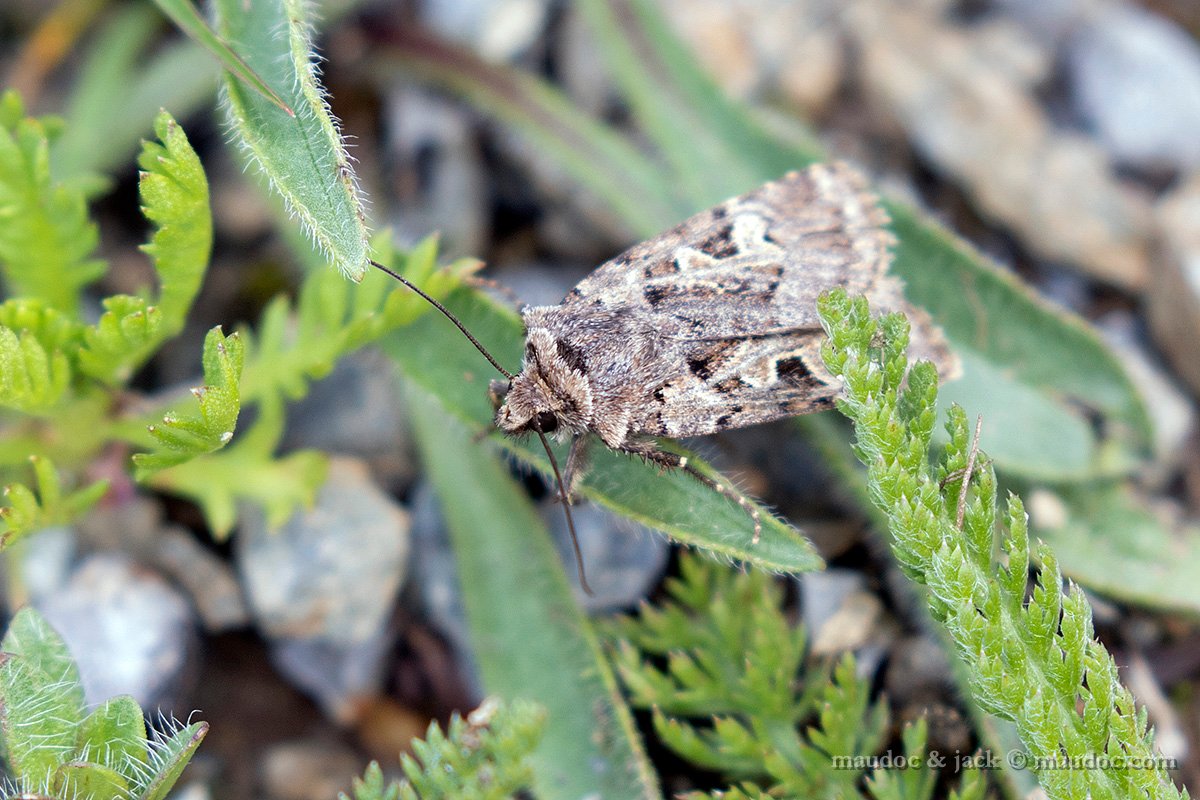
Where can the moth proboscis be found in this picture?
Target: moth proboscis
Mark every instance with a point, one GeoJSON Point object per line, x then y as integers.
{"type": "Point", "coordinates": [709, 326]}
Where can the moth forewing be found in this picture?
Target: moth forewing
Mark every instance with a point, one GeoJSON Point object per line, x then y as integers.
{"type": "Point", "coordinates": [709, 326]}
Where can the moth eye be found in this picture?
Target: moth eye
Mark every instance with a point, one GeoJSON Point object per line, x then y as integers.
{"type": "Point", "coordinates": [546, 421]}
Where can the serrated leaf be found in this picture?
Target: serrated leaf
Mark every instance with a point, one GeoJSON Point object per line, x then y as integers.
{"type": "Point", "coordinates": [46, 238]}
{"type": "Point", "coordinates": [434, 356]}
{"type": "Point", "coordinates": [26, 511]}
{"type": "Point", "coordinates": [1110, 541]}
{"type": "Point", "coordinates": [31, 378]}
{"type": "Point", "coordinates": [114, 736]}
{"type": "Point", "coordinates": [333, 317]}
{"type": "Point", "coordinates": [303, 156]}
{"type": "Point", "coordinates": [590, 747]}
{"type": "Point", "coordinates": [126, 334]}
{"type": "Point", "coordinates": [174, 193]}
{"type": "Point", "coordinates": [184, 436]}
{"type": "Point", "coordinates": [249, 471]}
{"type": "Point", "coordinates": [171, 755]}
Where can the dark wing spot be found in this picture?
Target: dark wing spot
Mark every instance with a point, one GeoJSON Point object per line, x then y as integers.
{"type": "Point", "coordinates": [730, 385]}
{"type": "Point", "coordinates": [735, 410]}
{"type": "Point", "coordinates": [723, 421]}
{"type": "Point", "coordinates": [660, 268]}
{"type": "Point", "coordinates": [719, 213]}
{"type": "Point", "coordinates": [656, 294]}
{"type": "Point", "coordinates": [571, 354]}
{"type": "Point", "coordinates": [701, 367]}
{"type": "Point", "coordinates": [719, 244]}
{"type": "Point", "coordinates": [793, 371]}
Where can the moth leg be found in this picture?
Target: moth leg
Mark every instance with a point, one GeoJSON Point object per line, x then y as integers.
{"type": "Point", "coordinates": [649, 451]}
{"type": "Point", "coordinates": [577, 463]}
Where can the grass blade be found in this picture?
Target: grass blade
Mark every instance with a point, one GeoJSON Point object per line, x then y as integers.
{"type": "Point", "coordinates": [531, 639]}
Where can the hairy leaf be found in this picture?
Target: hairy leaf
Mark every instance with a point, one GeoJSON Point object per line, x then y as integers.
{"type": "Point", "coordinates": [303, 155]}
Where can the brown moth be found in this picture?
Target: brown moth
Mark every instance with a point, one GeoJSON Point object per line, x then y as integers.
{"type": "Point", "coordinates": [710, 326]}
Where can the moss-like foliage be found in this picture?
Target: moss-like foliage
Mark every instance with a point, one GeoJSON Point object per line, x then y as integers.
{"type": "Point", "coordinates": [1033, 658]}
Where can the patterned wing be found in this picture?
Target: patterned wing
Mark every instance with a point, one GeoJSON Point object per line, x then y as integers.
{"type": "Point", "coordinates": [737, 382]}
{"type": "Point", "coordinates": [755, 264]}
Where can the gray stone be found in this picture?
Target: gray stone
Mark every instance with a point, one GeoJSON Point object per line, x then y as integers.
{"type": "Point", "coordinates": [496, 29]}
{"type": "Point", "coordinates": [333, 571]}
{"type": "Point", "coordinates": [1136, 81]}
{"type": "Point", "coordinates": [439, 181]}
{"type": "Point", "coordinates": [355, 411]}
{"type": "Point", "coordinates": [46, 559]}
{"type": "Point", "coordinates": [623, 560]}
{"type": "Point", "coordinates": [339, 676]}
{"type": "Point", "coordinates": [436, 583]}
{"type": "Point", "coordinates": [128, 630]}
{"type": "Point", "coordinates": [208, 580]}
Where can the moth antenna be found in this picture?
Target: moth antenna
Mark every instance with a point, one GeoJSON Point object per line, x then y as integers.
{"type": "Point", "coordinates": [566, 504]}
{"type": "Point", "coordinates": [448, 315]}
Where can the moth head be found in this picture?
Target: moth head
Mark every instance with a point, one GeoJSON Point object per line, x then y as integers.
{"type": "Point", "coordinates": [551, 394]}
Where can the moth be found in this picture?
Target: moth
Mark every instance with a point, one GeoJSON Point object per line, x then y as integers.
{"type": "Point", "coordinates": [709, 326]}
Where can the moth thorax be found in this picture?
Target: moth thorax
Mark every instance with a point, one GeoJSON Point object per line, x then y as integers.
{"type": "Point", "coordinates": [550, 394]}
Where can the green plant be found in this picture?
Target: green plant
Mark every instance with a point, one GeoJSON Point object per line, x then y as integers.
{"type": "Point", "coordinates": [1032, 660]}
{"type": "Point", "coordinates": [484, 756]}
{"type": "Point", "coordinates": [64, 381]}
{"type": "Point", "coordinates": [721, 649]}
{"type": "Point", "coordinates": [55, 747]}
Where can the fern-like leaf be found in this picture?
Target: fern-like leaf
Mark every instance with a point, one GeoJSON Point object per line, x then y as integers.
{"type": "Point", "coordinates": [484, 757]}
{"type": "Point", "coordinates": [27, 510]}
{"type": "Point", "coordinates": [1032, 660]}
{"type": "Point", "coordinates": [183, 436]}
{"type": "Point", "coordinates": [248, 470]}
{"type": "Point", "coordinates": [174, 194]}
{"type": "Point", "coordinates": [46, 238]}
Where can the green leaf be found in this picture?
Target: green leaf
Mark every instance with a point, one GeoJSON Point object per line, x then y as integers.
{"type": "Point", "coordinates": [126, 335]}
{"type": "Point", "coordinates": [485, 756]}
{"type": "Point", "coordinates": [181, 437]}
{"type": "Point", "coordinates": [31, 637]}
{"type": "Point", "coordinates": [635, 185]}
{"type": "Point", "coordinates": [84, 780]}
{"type": "Point", "coordinates": [41, 699]}
{"type": "Point", "coordinates": [248, 470]}
{"type": "Point", "coordinates": [371, 786]}
{"type": "Point", "coordinates": [127, 58]}
{"type": "Point", "coordinates": [168, 758]}
{"type": "Point", "coordinates": [591, 747]}
{"type": "Point", "coordinates": [434, 356]}
{"type": "Point", "coordinates": [303, 156]}
{"type": "Point", "coordinates": [333, 318]}
{"type": "Point", "coordinates": [174, 195]}
{"type": "Point", "coordinates": [185, 15]}
{"type": "Point", "coordinates": [1108, 540]}
{"type": "Point", "coordinates": [114, 736]}
{"type": "Point", "coordinates": [45, 235]}
{"type": "Point", "coordinates": [1052, 366]}
{"type": "Point", "coordinates": [31, 378]}
{"type": "Point", "coordinates": [27, 511]}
